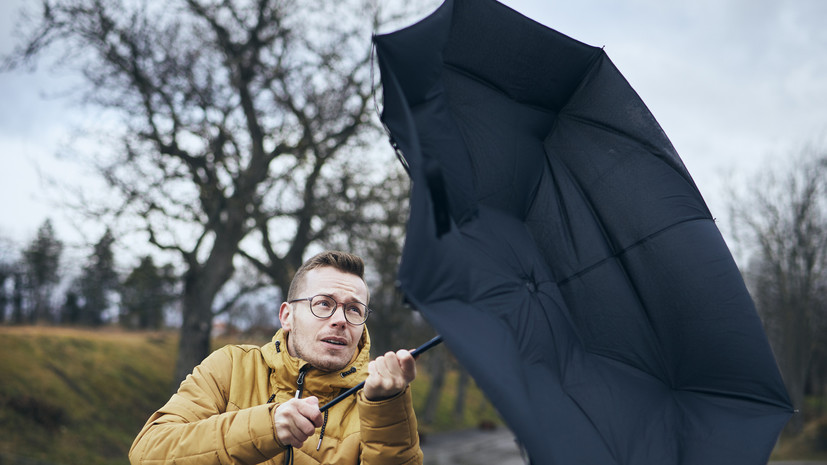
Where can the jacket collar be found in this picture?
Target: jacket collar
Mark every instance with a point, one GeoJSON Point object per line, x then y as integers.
{"type": "Point", "coordinates": [318, 383]}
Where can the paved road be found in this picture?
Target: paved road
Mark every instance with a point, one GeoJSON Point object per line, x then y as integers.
{"type": "Point", "coordinates": [472, 447]}
{"type": "Point", "coordinates": [497, 447]}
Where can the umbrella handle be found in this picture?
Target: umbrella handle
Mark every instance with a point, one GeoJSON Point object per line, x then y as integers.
{"type": "Point", "coordinates": [415, 353]}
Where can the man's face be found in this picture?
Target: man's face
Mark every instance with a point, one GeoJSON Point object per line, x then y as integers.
{"type": "Point", "coordinates": [327, 344]}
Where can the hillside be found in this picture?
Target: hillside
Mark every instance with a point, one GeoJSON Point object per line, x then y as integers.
{"type": "Point", "coordinates": [72, 396]}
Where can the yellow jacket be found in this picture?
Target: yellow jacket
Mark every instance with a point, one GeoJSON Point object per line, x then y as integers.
{"type": "Point", "coordinates": [221, 414]}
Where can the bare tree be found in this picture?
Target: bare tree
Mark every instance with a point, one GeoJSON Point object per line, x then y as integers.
{"type": "Point", "coordinates": [242, 119]}
{"type": "Point", "coordinates": [782, 219]}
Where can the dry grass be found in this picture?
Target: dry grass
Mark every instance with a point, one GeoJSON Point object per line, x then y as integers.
{"type": "Point", "coordinates": [811, 444]}
{"type": "Point", "coordinates": [79, 396]}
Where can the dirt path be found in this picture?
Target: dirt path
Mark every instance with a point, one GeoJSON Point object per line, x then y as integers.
{"type": "Point", "coordinates": [472, 447]}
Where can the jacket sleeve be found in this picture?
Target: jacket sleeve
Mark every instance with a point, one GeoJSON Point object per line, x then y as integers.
{"type": "Point", "coordinates": [389, 431]}
{"type": "Point", "coordinates": [195, 427]}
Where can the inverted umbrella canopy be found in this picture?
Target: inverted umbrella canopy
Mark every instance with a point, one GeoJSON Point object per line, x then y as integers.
{"type": "Point", "coordinates": [561, 248]}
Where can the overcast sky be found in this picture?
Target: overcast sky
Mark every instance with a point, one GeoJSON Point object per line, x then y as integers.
{"type": "Point", "coordinates": [733, 83]}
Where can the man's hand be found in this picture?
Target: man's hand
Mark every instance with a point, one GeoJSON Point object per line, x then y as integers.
{"type": "Point", "coordinates": [389, 375]}
{"type": "Point", "coordinates": [296, 420]}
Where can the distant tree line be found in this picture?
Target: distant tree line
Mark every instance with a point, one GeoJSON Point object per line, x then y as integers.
{"type": "Point", "coordinates": [34, 290]}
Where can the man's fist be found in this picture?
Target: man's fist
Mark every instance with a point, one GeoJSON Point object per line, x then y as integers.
{"type": "Point", "coordinates": [296, 420]}
{"type": "Point", "coordinates": [389, 375]}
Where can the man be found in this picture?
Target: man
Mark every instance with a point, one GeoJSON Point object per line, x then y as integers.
{"type": "Point", "coordinates": [249, 404]}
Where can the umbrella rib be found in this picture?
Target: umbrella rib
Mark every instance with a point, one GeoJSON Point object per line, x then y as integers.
{"type": "Point", "coordinates": [616, 252]}
{"type": "Point", "coordinates": [740, 396]}
{"type": "Point", "coordinates": [597, 430]}
{"type": "Point", "coordinates": [672, 159]}
{"type": "Point", "coordinates": [669, 379]}
{"type": "Point", "coordinates": [628, 248]}
{"type": "Point", "coordinates": [468, 74]}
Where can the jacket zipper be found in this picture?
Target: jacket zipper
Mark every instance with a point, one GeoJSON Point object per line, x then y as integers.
{"type": "Point", "coordinates": [300, 381]}
{"type": "Point", "coordinates": [288, 453]}
{"type": "Point", "coordinates": [300, 390]}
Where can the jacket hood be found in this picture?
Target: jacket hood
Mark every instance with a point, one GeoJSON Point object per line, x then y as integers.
{"type": "Point", "coordinates": [324, 385]}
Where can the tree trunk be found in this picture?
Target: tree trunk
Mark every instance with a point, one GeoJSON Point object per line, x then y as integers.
{"type": "Point", "coordinates": [462, 390]}
{"type": "Point", "coordinates": [201, 285]}
{"type": "Point", "coordinates": [195, 334]}
{"type": "Point", "coordinates": [435, 392]}
{"type": "Point", "coordinates": [795, 360]}
{"type": "Point", "coordinates": [17, 300]}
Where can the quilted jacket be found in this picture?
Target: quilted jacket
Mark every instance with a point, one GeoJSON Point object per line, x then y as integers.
{"type": "Point", "coordinates": [223, 414]}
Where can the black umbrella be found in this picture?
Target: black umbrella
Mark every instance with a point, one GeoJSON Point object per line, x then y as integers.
{"type": "Point", "coordinates": [561, 248]}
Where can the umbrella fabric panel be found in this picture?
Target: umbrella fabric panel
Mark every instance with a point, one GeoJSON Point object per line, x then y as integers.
{"type": "Point", "coordinates": [631, 193]}
{"type": "Point", "coordinates": [611, 321]}
{"type": "Point", "coordinates": [506, 140]}
{"type": "Point", "coordinates": [605, 100]}
{"type": "Point", "coordinates": [564, 226]}
{"type": "Point", "coordinates": [443, 134]}
{"type": "Point", "coordinates": [703, 346]}
{"type": "Point", "coordinates": [403, 107]}
{"type": "Point", "coordinates": [707, 326]}
{"type": "Point", "coordinates": [725, 431]}
{"type": "Point", "coordinates": [417, 71]}
{"type": "Point", "coordinates": [651, 308]}
{"type": "Point", "coordinates": [488, 37]}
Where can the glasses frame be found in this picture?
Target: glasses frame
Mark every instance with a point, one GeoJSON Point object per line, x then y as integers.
{"type": "Point", "coordinates": [309, 301]}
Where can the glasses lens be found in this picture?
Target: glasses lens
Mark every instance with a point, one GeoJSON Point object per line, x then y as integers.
{"type": "Point", "coordinates": [356, 313]}
{"type": "Point", "coordinates": [322, 306]}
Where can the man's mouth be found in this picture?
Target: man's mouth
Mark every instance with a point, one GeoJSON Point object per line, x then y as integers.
{"type": "Point", "coordinates": [335, 341]}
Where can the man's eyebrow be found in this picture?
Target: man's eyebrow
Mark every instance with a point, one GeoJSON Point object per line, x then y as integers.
{"type": "Point", "coordinates": [349, 298]}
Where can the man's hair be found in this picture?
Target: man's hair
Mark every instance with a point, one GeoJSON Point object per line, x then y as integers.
{"type": "Point", "coordinates": [342, 261]}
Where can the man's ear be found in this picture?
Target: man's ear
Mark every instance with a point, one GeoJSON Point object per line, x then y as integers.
{"type": "Point", "coordinates": [286, 316]}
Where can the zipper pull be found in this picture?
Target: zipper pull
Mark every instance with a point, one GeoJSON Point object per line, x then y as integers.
{"type": "Point", "coordinates": [300, 381]}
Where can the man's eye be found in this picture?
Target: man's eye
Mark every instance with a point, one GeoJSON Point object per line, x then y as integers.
{"type": "Point", "coordinates": [355, 309]}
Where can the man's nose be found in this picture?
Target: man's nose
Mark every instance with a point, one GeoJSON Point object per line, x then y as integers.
{"type": "Point", "coordinates": [338, 317]}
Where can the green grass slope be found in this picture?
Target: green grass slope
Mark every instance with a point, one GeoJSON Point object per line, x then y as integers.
{"type": "Point", "coordinates": [71, 396]}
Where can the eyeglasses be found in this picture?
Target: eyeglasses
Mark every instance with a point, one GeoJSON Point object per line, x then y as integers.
{"type": "Point", "coordinates": [324, 306]}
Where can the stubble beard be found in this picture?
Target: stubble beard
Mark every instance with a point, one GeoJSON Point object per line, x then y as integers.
{"type": "Point", "coordinates": [319, 363]}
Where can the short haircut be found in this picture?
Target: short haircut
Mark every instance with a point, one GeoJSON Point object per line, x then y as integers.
{"type": "Point", "coordinates": [342, 261]}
